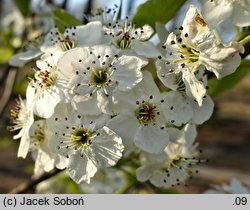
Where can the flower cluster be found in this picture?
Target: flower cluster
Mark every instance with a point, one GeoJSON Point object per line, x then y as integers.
{"type": "Point", "coordinates": [94, 99]}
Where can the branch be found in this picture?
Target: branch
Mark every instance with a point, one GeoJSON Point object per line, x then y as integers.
{"type": "Point", "coordinates": [9, 83]}
{"type": "Point", "coordinates": [25, 187]}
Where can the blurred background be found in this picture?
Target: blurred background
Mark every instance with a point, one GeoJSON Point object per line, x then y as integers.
{"type": "Point", "coordinates": [224, 139]}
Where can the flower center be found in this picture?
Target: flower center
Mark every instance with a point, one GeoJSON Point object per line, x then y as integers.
{"type": "Point", "coordinates": [19, 115]}
{"type": "Point", "coordinates": [188, 56]}
{"type": "Point", "coordinates": [46, 79]}
{"type": "Point", "coordinates": [99, 76]}
{"type": "Point", "coordinates": [39, 134]}
{"type": "Point", "coordinates": [14, 113]}
{"type": "Point", "coordinates": [124, 42]}
{"type": "Point", "coordinates": [146, 113]}
{"type": "Point", "coordinates": [81, 136]}
{"type": "Point", "coordinates": [67, 43]}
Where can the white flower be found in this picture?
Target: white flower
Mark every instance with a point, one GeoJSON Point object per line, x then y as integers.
{"type": "Point", "coordinates": [86, 144]}
{"type": "Point", "coordinates": [22, 119]}
{"type": "Point", "coordinates": [126, 37]}
{"type": "Point", "coordinates": [235, 187]}
{"type": "Point", "coordinates": [191, 50]}
{"type": "Point", "coordinates": [216, 11]}
{"type": "Point", "coordinates": [140, 119]}
{"type": "Point", "coordinates": [96, 72]}
{"type": "Point", "coordinates": [50, 87]}
{"type": "Point", "coordinates": [77, 36]}
{"type": "Point", "coordinates": [174, 165]}
{"type": "Point", "coordinates": [44, 158]}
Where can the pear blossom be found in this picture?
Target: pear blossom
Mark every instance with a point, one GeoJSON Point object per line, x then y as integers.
{"type": "Point", "coordinates": [192, 49]}
{"type": "Point", "coordinates": [87, 144]}
{"type": "Point", "coordinates": [140, 113]}
{"type": "Point", "coordinates": [50, 87]}
{"type": "Point", "coordinates": [77, 36]}
{"type": "Point", "coordinates": [22, 119]}
{"type": "Point", "coordinates": [129, 39]}
{"type": "Point", "coordinates": [94, 99]}
{"type": "Point", "coordinates": [44, 158]}
{"type": "Point", "coordinates": [174, 165]}
{"type": "Point", "coordinates": [95, 72]}
{"type": "Point", "coordinates": [217, 11]}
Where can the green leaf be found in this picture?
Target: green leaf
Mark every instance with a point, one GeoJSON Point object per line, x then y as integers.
{"type": "Point", "coordinates": [23, 6]}
{"type": "Point", "coordinates": [5, 54]}
{"type": "Point", "coordinates": [154, 11]}
{"type": "Point", "coordinates": [63, 19]}
{"type": "Point", "coordinates": [218, 86]}
{"type": "Point", "coordinates": [119, 14]}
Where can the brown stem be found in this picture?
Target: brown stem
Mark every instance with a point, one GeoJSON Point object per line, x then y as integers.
{"type": "Point", "coordinates": [9, 83]}
{"type": "Point", "coordinates": [27, 186]}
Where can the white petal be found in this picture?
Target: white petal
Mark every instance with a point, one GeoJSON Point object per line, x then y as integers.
{"type": "Point", "coordinates": [65, 64]}
{"type": "Point", "coordinates": [220, 59]}
{"type": "Point", "coordinates": [43, 162]}
{"type": "Point", "coordinates": [194, 87]}
{"type": "Point", "coordinates": [241, 14]}
{"type": "Point", "coordinates": [20, 59]}
{"type": "Point", "coordinates": [64, 115]}
{"type": "Point", "coordinates": [90, 34]}
{"type": "Point", "coordinates": [107, 147]}
{"type": "Point", "coordinates": [176, 108]}
{"type": "Point", "coordinates": [123, 123]}
{"type": "Point", "coordinates": [216, 12]}
{"type": "Point", "coordinates": [167, 78]}
{"type": "Point", "coordinates": [202, 113]}
{"type": "Point", "coordinates": [190, 134]}
{"type": "Point", "coordinates": [82, 168]}
{"type": "Point", "coordinates": [175, 134]}
{"type": "Point", "coordinates": [147, 32]}
{"type": "Point", "coordinates": [158, 179]}
{"type": "Point", "coordinates": [151, 139]}
{"type": "Point", "coordinates": [144, 172]}
{"type": "Point", "coordinates": [104, 102]}
{"type": "Point", "coordinates": [128, 72]}
{"type": "Point", "coordinates": [146, 49]}
{"type": "Point", "coordinates": [195, 26]}
{"type": "Point", "coordinates": [45, 104]}
{"type": "Point", "coordinates": [86, 105]}
{"type": "Point", "coordinates": [24, 145]}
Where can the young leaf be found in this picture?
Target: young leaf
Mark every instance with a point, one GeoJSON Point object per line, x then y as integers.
{"type": "Point", "coordinates": [218, 86]}
{"type": "Point", "coordinates": [63, 19]}
{"type": "Point", "coordinates": [154, 11]}
{"type": "Point", "coordinates": [23, 6]}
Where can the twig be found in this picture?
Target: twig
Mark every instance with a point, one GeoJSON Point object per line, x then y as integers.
{"type": "Point", "coordinates": [25, 187]}
{"type": "Point", "coordinates": [9, 83]}
{"type": "Point", "coordinates": [4, 73]}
